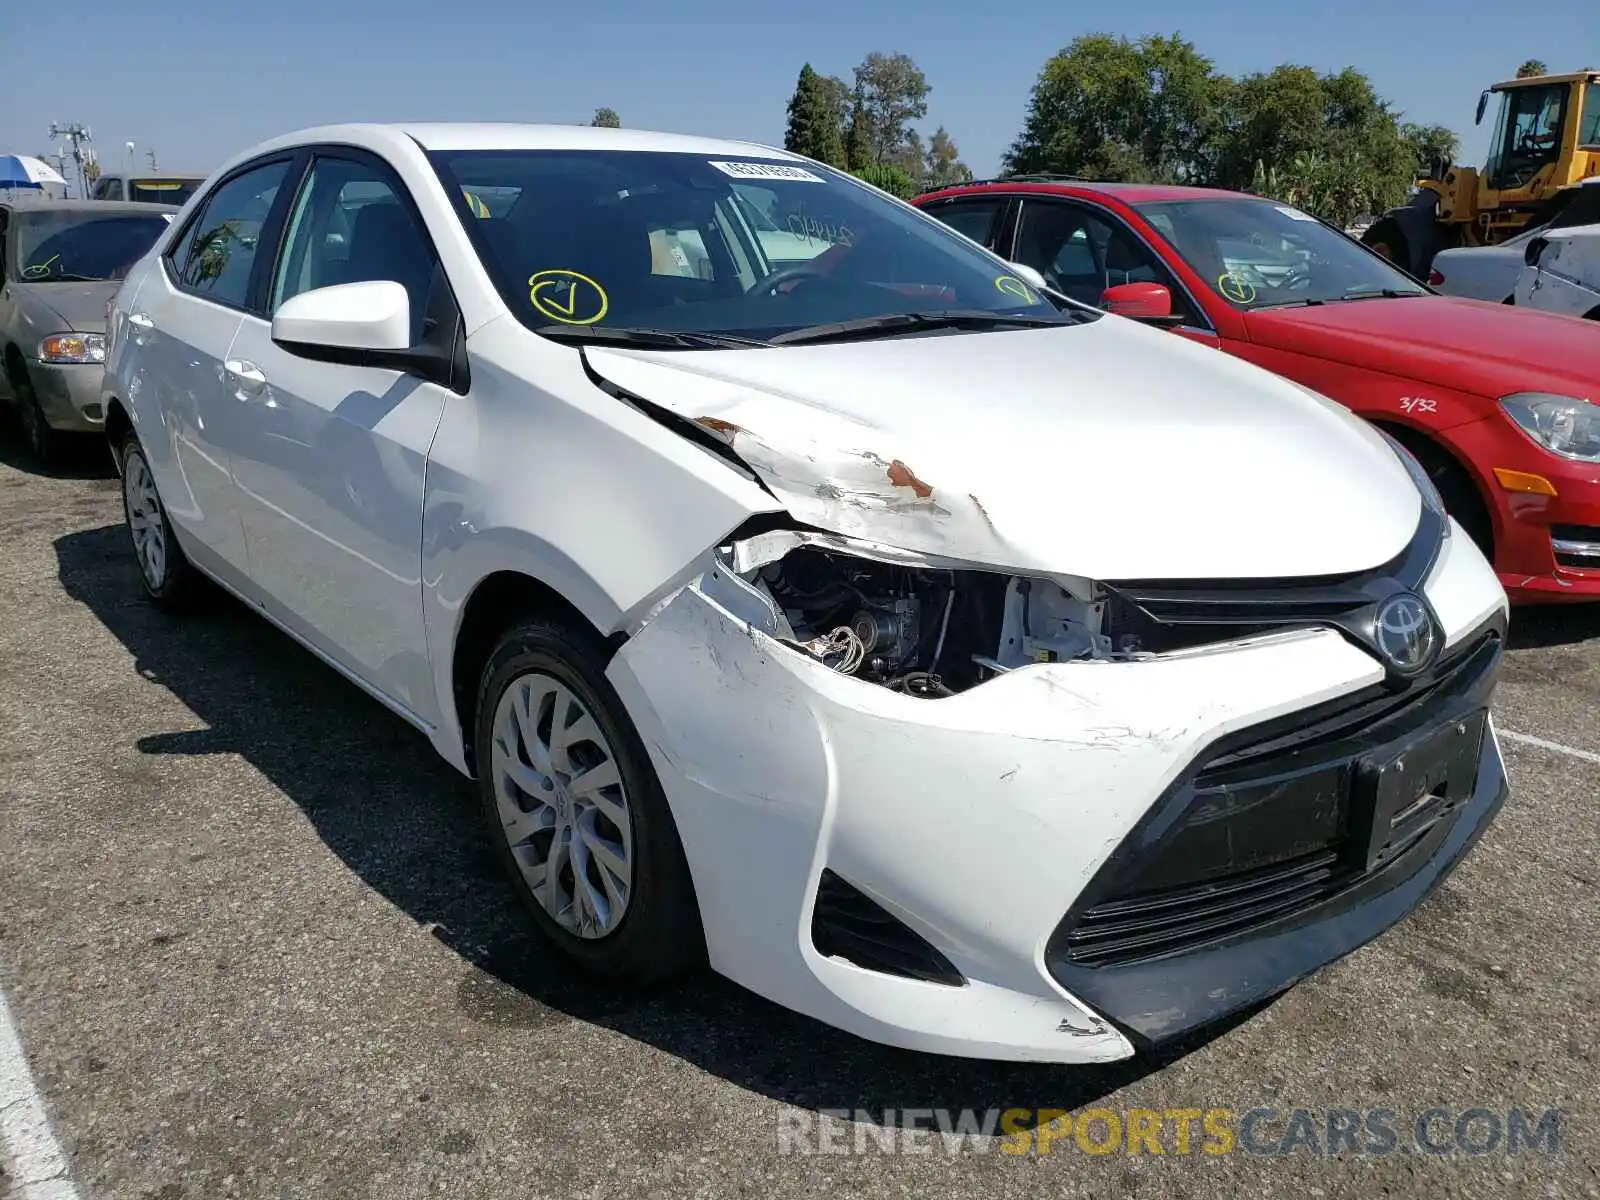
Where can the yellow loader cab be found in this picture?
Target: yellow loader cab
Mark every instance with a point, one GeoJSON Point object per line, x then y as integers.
{"type": "Point", "coordinates": [1545, 142]}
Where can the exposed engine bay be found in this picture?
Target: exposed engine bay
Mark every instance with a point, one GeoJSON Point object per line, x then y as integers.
{"type": "Point", "coordinates": [928, 631]}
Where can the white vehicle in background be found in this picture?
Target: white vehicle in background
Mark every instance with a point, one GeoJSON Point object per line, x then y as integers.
{"type": "Point", "coordinates": [972, 670]}
{"type": "Point", "coordinates": [1561, 271]}
{"type": "Point", "coordinates": [1482, 272]}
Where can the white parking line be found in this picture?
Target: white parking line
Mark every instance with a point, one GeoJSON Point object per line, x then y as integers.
{"type": "Point", "coordinates": [33, 1155]}
{"type": "Point", "coordinates": [1527, 739]}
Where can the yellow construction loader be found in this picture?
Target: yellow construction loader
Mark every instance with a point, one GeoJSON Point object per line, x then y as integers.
{"type": "Point", "coordinates": [1546, 142]}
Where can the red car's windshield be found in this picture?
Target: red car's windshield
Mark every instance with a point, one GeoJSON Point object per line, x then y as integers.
{"type": "Point", "coordinates": [1260, 254]}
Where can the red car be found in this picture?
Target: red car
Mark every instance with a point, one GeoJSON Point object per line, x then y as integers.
{"type": "Point", "coordinates": [1500, 404]}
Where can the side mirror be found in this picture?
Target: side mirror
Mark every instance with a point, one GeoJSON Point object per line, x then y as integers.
{"type": "Point", "coordinates": [370, 317]}
{"type": "Point", "coordinates": [1141, 301]}
{"type": "Point", "coordinates": [1028, 275]}
{"type": "Point", "coordinates": [1483, 103]}
{"type": "Point", "coordinates": [369, 325]}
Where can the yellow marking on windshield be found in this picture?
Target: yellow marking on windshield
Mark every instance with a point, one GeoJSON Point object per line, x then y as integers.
{"type": "Point", "coordinates": [1010, 285]}
{"type": "Point", "coordinates": [1236, 288]}
{"type": "Point", "coordinates": [546, 290]}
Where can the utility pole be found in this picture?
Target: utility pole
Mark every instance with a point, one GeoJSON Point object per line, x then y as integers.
{"type": "Point", "coordinates": [78, 137]}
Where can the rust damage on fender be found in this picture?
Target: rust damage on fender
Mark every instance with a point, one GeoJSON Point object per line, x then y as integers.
{"type": "Point", "coordinates": [726, 430]}
{"type": "Point", "coordinates": [903, 476]}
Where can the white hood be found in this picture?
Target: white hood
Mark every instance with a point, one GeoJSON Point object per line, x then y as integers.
{"type": "Point", "coordinates": [1108, 450]}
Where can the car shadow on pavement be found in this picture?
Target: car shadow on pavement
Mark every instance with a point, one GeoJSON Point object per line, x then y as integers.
{"type": "Point", "coordinates": [82, 456]}
{"type": "Point", "coordinates": [1545, 625]}
{"type": "Point", "coordinates": [344, 760]}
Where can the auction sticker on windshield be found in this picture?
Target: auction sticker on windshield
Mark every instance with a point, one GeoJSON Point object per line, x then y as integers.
{"type": "Point", "coordinates": [1294, 214]}
{"type": "Point", "coordinates": [757, 170]}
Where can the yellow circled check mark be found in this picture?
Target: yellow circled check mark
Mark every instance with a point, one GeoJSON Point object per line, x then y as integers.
{"type": "Point", "coordinates": [540, 283]}
{"type": "Point", "coordinates": [549, 301]}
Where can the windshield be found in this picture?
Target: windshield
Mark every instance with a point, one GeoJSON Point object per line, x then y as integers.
{"type": "Point", "coordinates": [582, 241]}
{"type": "Point", "coordinates": [1257, 253]}
{"type": "Point", "coordinates": [1527, 134]}
{"type": "Point", "coordinates": [162, 191]}
{"type": "Point", "coordinates": [54, 247]}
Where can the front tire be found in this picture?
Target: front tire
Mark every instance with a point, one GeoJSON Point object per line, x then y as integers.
{"type": "Point", "coordinates": [577, 816]}
{"type": "Point", "coordinates": [44, 443]}
{"type": "Point", "coordinates": [168, 578]}
{"type": "Point", "coordinates": [1388, 240]}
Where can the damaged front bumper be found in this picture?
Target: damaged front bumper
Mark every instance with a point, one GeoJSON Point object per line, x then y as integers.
{"type": "Point", "coordinates": [948, 856]}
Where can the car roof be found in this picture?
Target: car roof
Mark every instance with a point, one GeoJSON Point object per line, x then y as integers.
{"type": "Point", "coordinates": [103, 207]}
{"type": "Point", "coordinates": [513, 136]}
{"type": "Point", "coordinates": [1128, 193]}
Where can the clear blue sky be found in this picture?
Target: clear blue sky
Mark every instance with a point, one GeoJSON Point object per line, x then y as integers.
{"type": "Point", "coordinates": [198, 81]}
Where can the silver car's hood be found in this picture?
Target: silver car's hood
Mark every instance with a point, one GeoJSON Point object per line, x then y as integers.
{"type": "Point", "coordinates": [80, 307]}
{"type": "Point", "coordinates": [1106, 450]}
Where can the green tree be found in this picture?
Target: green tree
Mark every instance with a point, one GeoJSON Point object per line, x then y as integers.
{"type": "Point", "coordinates": [1430, 144]}
{"type": "Point", "coordinates": [1335, 147]}
{"type": "Point", "coordinates": [892, 92]}
{"type": "Point", "coordinates": [815, 127]}
{"type": "Point", "coordinates": [891, 178]}
{"type": "Point", "coordinates": [606, 118]}
{"type": "Point", "coordinates": [911, 157]}
{"type": "Point", "coordinates": [858, 136]}
{"type": "Point", "coordinates": [942, 165]}
{"type": "Point", "coordinates": [1534, 66]}
{"type": "Point", "coordinates": [841, 96]}
{"type": "Point", "coordinates": [1107, 107]}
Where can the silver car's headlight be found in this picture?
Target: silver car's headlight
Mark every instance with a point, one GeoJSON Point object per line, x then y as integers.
{"type": "Point", "coordinates": [73, 348]}
{"type": "Point", "coordinates": [1563, 425]}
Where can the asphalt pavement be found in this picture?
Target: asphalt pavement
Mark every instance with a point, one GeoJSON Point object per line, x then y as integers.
{"type": "Point", "coordinates": [254, 944]}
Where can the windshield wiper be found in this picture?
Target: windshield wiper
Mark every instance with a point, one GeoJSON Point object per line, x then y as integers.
{"type": "Point", "coordinates": [652, 339]}
{"type": "Point", "coordinates": [65, 277]}
{"type": "Point", "coordinates": [864, 327]}
{"type": "Point", "coordinates": [1311, 303]}
{"type": "Point", "coordinates": [1378, 294]}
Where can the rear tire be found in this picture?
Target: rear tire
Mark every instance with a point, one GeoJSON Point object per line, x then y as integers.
{"type": "Point", "coordinates": [598, 864]}
{"type": "Point", "coordinates": [169, 579]}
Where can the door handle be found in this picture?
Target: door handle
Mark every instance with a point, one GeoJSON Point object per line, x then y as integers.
{"type": "Point", "coordinates": [247, 378]}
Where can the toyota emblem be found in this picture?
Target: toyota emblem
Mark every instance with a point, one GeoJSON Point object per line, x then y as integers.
{"type": "Point", "coordinates": [1404, 633]}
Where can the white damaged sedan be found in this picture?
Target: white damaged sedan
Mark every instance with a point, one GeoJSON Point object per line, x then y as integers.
{"type": "Point", "coordinates": [965, 668]}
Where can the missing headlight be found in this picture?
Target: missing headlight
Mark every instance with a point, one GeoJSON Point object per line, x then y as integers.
{"type": "Point", "coordinates": [926, 631]}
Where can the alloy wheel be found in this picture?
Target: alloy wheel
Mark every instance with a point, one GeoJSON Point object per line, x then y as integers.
{"type": "Point", "coordinates": [145, 520]}
{"type": "Point", "coordinates": [562, 806]}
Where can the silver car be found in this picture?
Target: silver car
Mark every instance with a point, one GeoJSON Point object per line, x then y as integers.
{"type": "Point", "coordinates": [1482, 272]}
{"type": "Point", "coordinates": [61, 261]}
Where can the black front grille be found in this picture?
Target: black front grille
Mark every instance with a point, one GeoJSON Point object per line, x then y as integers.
{"type": "Point", "coordinates": [1147, 926]}
{"type": "Point", "coordinates": [1162, 616]}
{"type": "Point", "coordinates": [1588, 534]}
{"type": "Point", "coordinates": [849, 925]}
{"type": "Point", "coordinates": [1265, 828]}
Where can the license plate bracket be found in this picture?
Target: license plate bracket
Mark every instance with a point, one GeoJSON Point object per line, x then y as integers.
{"type": "Point", "coordinates": [1407, 789]}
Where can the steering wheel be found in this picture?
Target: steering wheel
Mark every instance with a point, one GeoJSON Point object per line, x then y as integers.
{"type": "Point", "coordinates": [770, 285]}
{"type": "Point", "coordinates": [1299, 276]}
